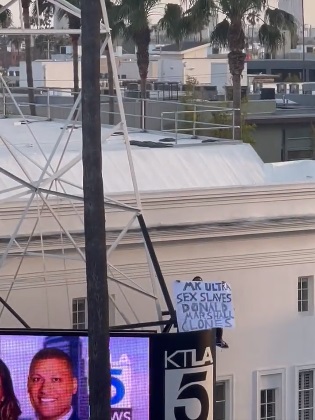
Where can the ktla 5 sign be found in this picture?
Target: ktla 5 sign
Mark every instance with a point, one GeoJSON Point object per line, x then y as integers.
{"type": "Point", "coordinates": [187, 379]}
{"type": "Point", "coordinates": [185, 376]}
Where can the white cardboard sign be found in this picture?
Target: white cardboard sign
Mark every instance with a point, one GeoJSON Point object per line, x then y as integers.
{"type": "Point", "coordinates": [202, 305]}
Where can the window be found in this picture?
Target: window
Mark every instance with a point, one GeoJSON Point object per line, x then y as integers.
{"type": "Point", "coordinates": [79, 314]}
{"type": "Point", "coordinates": [224, 398]}
{"type": "Point", "coordinates": [306, 395]}
{"type": "Point", "coordinates": [270, 398]}
{"type": "Point", "coordinates": [304, 294]}
{"type": "Point", "coordinates": [268, 404]}
{"type": "Point", "coordinates": [220, 394]}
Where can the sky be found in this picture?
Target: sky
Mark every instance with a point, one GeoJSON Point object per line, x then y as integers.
{"type": "Point", "coordinates": [309, 6]}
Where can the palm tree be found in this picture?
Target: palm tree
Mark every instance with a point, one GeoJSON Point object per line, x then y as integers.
{"type": "Point", "coordinates": [174, 23]}
{"type": "Point", "coordinates": [74, 22]}
{"type": "Point", "coordinates": [28, 56]}
{"type": "Point", "coordinates": [136, 16]}
{"type": "Point", "coordinates": [230, 33]}
{"type": "Point", "coordinates": [117, 27]}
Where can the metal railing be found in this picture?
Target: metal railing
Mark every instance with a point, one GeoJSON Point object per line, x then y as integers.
{"type": "Point", "coordinates": [206, 125]}
{"type": "Point", "coordinates": [155, 115]}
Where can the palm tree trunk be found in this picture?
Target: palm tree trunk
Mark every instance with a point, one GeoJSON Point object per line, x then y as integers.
{"type": "Point", "coordinates": [28, 58]}
{"type": "Point", "coordinates": [94, 217]}
{"type": "Point", "coordinates": [143, 62]}
{"type": "Point", "coordinates": [237, 64]}
{"type": "Point", "coordinates": [111, 103]}
{"type": "Point", "coordinates": [75, 58]}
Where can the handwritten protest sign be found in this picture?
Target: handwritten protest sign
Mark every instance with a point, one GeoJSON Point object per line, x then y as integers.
{"type": "Point", "coordinates": [202, 305]}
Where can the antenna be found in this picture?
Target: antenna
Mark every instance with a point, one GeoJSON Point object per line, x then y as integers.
{"type": "Point", "coordinates": [42, 198]}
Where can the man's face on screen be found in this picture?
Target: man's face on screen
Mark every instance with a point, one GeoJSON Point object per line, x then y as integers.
{"type": "Point", "coordinates": [51, 386]}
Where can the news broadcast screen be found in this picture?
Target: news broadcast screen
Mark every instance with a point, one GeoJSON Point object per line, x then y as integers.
{"type": "Point", "coordinates": [46, 377]}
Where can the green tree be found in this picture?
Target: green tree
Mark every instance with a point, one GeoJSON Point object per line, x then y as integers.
{"type": "Point", "coordinates": [174, 23]}
{"type": "Point", "coordinates": [28, 56]}
{"type": "Point", "coordinates": [230, 33]}
{"type": "Point", "coordinates": [136, 16]}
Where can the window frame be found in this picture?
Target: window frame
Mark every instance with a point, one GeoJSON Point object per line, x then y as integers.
{"type": "Point", "coordinates": [228, 380]}
{"type": "Point", "coordinates": [112, 312]}
{"type": "Point", "coordinates": [75, 325]}
{"type": "Point", "coordinates": [310, 295]}
{"type": "Point", "coordinates": [299, 369]}
{"type": "Point", "coordinates": [266, 403]}
{"type": "Point", "coordinates": [261, 376]}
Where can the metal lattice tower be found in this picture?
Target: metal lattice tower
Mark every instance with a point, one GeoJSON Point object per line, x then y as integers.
{"type": "Point", "coordinates": [41, 190]}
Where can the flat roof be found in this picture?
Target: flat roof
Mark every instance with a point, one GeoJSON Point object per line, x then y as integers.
{"type": "Point", "coordinates": [188, 165]}
{"type": "Point", "coordinates": [290, 114]}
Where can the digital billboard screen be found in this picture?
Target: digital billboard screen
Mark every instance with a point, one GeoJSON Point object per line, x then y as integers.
{"type": "Point", "coordinates": [45, 377]}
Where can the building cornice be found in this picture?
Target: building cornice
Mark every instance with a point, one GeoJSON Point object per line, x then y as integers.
{"type": "Point", "coordinates": [174, 233]}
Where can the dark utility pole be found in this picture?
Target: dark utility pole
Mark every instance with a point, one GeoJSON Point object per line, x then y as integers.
{"type": "Point", "coordinates": [94, 215]}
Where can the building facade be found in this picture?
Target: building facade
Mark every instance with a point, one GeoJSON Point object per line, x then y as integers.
{"type": "Point", "coordinates": [225, 216]}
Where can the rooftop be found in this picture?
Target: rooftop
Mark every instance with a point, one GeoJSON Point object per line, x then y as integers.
{"type": "Point", "coordinates": [184, 46]}
{"type": "Point", "coordinates": [289, 114]}
{"type": "Point", "coordinates": [161, 166]}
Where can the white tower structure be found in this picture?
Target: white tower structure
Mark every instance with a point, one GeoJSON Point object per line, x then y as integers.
{"type": "Point", "coordinates": [42, 243]}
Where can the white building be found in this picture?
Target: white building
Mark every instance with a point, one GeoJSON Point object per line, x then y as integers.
{"type": "Point", "coordinates": [58, 73]}
{"type": "Point", "coordinates": [50, 74]}
{"type": "Point", "coordinates": [197, 60]}
{"type": "Point", "coordinates": [215, 210]}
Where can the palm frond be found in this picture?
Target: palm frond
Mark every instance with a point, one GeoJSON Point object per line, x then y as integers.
{"type": "Point", "coordinates": [116, 23]}
{"type": "Point", "coordinates": [220, 34]}
{"type": "Point", "coordinates": [173, 14]}
{"type": "Point", "coordinates": [73, 21]}
{"type": "Point", "coordinates": [6, 18]}
{"type": "Point", "coordinates": [174, 22]}
{"type": "Point", "coordinates": [281, 19]}
{"type": "Point", "coordinates": [43, 7]}
{"type": "Point", "coordinates": [136, 15]}
{"type": "Point", "coordinates": [270, 36]}
{"type": "Point", "coordinates": [202, 9]}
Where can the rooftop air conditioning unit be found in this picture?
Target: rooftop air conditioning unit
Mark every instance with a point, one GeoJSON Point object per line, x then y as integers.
{"type": "Point", "coordinates": [294, 88]}
{"type": "Point", "coordinates": [282, 88]}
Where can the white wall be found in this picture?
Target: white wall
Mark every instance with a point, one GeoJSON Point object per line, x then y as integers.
{"type": "Point", "coordinates": [129, 68]}
{"type": "Point", "coordinates": [60, 74]}
{"type": "Point", "coordinates": [171, 70]}
{"type": "Point", "coordinates": [221, 77]}
{"type": "Point", "coordinates": [38, 74]}
{"type": "Point", "coordinates": [51, 74]}
{"type": "Point", "coordinates": [199, 68]}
